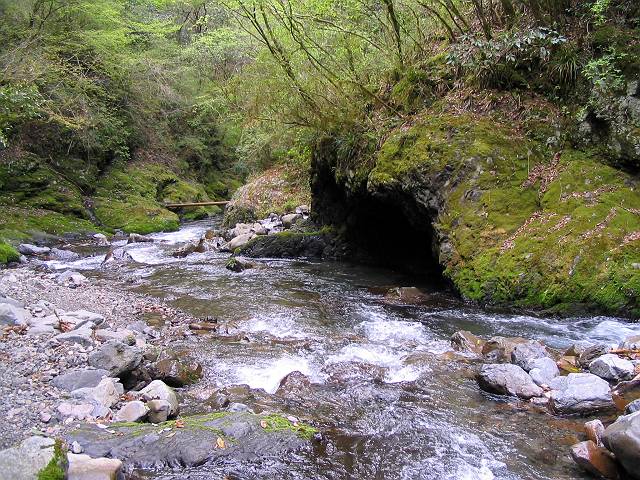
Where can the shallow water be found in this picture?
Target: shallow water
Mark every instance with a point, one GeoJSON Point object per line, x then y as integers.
{"type": "Point", "coordinates": [409, 408]}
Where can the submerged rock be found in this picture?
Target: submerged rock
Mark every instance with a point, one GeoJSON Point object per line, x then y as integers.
{"type": "Point", "coordinates": [406, 296]}
{"type": "Point", "coordinates": [581, 393]}
{"type": "Point", "coordinates": [508, 379]}
{"type": "Point", "coordinates": [623, 438]}
{"type": "Point", "coordinates": [238, 265]}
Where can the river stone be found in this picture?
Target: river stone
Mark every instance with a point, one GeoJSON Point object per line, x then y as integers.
{"type": "Point", "coordinates": [406, 296]}
{"type": "Point", "coordinates": [543, 370]}
{"type": "Point", "coordinates": [83, 336]}
{"type": "Point", "coordinates": [238, 242]}
{"type": "Point", "coordinates": [71, 278]}
{"type": "Point", "coordinates": [106, 393]}
{"type": "Point", "coordinates": [28, 249]}
{"type": "Point", "coordinates": [116, 357]}
{"type": "Point", "coordinates": [350, 372]}
{"type": "Point", "coordinates": [293, 384]}
{"type": "Point", "coordinates": [12, 315]}
{"type": "Point", "coordinates": [611, 367]}
{"type": "Point", "coordinates": [142, 446]}
{"type": "Point", "coordinates": [137, 238]}
{"type": "Point", "coordinates": [177, 371]}
{"type": "Point", "coordinates": [83, 467]}
{"type": "Point", "coordinates": [595, 460]}
{"type": "Point", "coordinates": [524, 354]}
{"type": "Point", "coordinates": [581, 393]}
{"type": "Point", "coordinates": [499, 348]}
{"type": "Point", "coordinates": [592, 352]}
{"type": "Point", "coordinates": [134, 411]}
{"type": "Point", "coordinates": [79, 379]}
{"type": "Point", "coordinates": [290, 219]}
{"type": "Point", "coordinates": [633, 407]}
{"type": "Point", "coordinates": [79, 411]}
{"type": "Point", "coordinates": [626, 392]}
{"type": "Point", "coordinates": [465, 341]}
{"type": "Point", "coordinates": [80, 318]}
{"type": "Point", "coordinates": [24, 461]}
{"type": "Point", "coordinates": [64, 255]}
{"type": "Point", "coordinates": [508, 379]}
{"type": "Point", "coordinates": [238, 265]}
{"type": "Point", "coordinates": [158, 410]}
{"type": "Point", "coordinates": [161, 391]}
{"type": "Point", "coordinates": [122, 335]}
{"type": "Point", "coordinates": [630, 343]}
{"type": "Point", "coordinates": [623, 438]}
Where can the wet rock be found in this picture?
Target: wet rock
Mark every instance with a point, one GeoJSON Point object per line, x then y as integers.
{"type": "Point", "coordinates": [590, 353]}
{"type": "Point", "coordinates": [626, 392]}
{"type": "Point", "coordinates": [116, 357]}
{"type": "Point", "coordinates": [238, 242]}
{"type": "Point", "coordinates": [106, 393]}
{"type": "Point", "coordinates": [79, 379]}
{"type": "Point", "coordinates": [83, 467]}
{"type": "Point", "coordinates": [611, 367]}
{"type": "Point", "coordinates": [137, 238]}
{"type": "Point", "coordinates": [543, 370]}
{"type": "Point", "coordinates": [594, 430]}
{"type": "Point", "coordinates": [406, 296]}
{"type": "Point", "coordinates": [508, 379]}
{"type": "Point", "coordinates": [82, 336]}
{"type": "Point", "coordinates": [28, 249]}
{"type": "Point", "coordinates": [500, 348]}
{"type": "Point", "coordinates": [142, 446]}
{"type": "Point", "coordinates": [161, 391]}
{"type": "Point", "coordinates": [185, 250]}
{"type": "Point", "coordinates": [64, 255]}
{"type": "Point", "coordinates": [24, 461]}
{"type": "Point", "coordinates": [177, 370]}
{"type": "Point", "coordinates": [11, 315]}
{"type": "Point", "coordinates": [623, 438]}
{"type": "Point", "coordinates": [524, 354]}
{"type": "Point", "coordinates": [581, 393]}
{"type": "Point", "coordinates": [348, 372]}
{"type": "Point", "coordinates": [238, 265]}
{"type": "Point", "coordinates": [134, 411]}
{"type": "Point", "coordinates": [289, 245]}
{"type": "Point", "coordinates": [295, 383]}
{"type": "Point", "coordinates": [158, 410]}
{"type": "Point", "coordinates": [595, 460]}
{"type": "Point", "coordinates": [290, 219]}
{"type": "Point", "coordinates": [465, 341]}
{"type": "Point", "coordinates": [568, 364]}
{"type": "Point", "coordinates": [633, 407]}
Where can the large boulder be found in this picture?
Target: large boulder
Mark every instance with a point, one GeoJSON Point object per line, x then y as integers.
{"type": "Point", "coordinates": [106, 393]}
{"type": "Point", "coordinates": [623, 438]}
{"type": "Point", "coordinates": [543, 370]}
{"type": "Point", "coordinates": [27, 459]}
{"type": "Point", "coordinates": [76, 379]}
{"type": "Point", "coordinates": [524, 354]}
{"type": "Point", "coordinates": [580, 393]}
{"type": "Point", "coordinates": [116, 357]}
{"type": "Point", "coordinates": [508, 379]}
{"type": "Point", "coordinates": [612, 368]}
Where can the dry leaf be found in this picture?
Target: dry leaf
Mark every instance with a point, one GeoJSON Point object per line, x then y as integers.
{"type": "Point", "coordinates": [264, 424]}
{"type": "Point", "coordinates": [220, 443]}
{"type": "Point", "coordinates": [179, 423]}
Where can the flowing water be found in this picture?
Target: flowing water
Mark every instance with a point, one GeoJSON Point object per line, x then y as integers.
{"type": "Point", "coordinates": [390, 397]}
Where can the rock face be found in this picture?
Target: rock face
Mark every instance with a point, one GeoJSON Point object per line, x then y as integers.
{"type": "Point", "coordinates": [26, 460]}
{"type": "Point", "coordinates": [143, 447]}
{"type": "Point", "coordinates": [581, 393]}
{"type": "Point", "coordinates": [623, 438]}
{"type": "Point", "coordinates": [508, 379]}
{"type": "Point", "coordinates": [595, 460]}
{"type": "Point", "coordinates": [611, 367]}
{"type": "Point", "coordinates": [116, 357]}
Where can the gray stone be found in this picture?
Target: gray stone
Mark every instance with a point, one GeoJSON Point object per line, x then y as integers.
{"type": "Point", "coordinates": [134, 411]}
{"type": "Point", "coordinates": [79, 318]}
{"type": "Point", "coordinates": [632, 407]}
{"type": "Point", "coordinates": [592, 352]}
{"type": "Point", "coordinates": [106, 393]}
{"type": "Point", "coordinates": [83, 467]}
{"type": "Point", "coordinates": [581, 393]}
{"type": "Point", "coordinates": [12, 315]}
{"type": "Point", "coordinates": [158, 390]}
{"type": "Point", "coordinates": [28, 249]}
{"type": "Point", "coordinates": [64, 255]}
{"type": "Point", "coordinates": [101, 239]}
{"type": "Point", "coordinates": [137, 238]}
{"type": "Point", "coordinates": [11, 301]}
{"type": "Point", "coordinates": [71, 278]}
{"type": "Point", "coordinates": [125, 336]}
{"type": "Point", "coordinates": [24, 461]}
{"type": "Point", "coordinates": [116, 357]}
{"type": "Point", "coordinates": [524, 354]}
{"type": "Point", "coordinates": [76, 448]}
{"type": "Point", "coordinates": [508, 379]}
{"type": "Point", "coordinates": [79, 379]}
{"type": "Point", "coordinates": [81, 336]}
{"type": "Point", "coordinates": [158, 410]}
{"type": "Point", "coordinates": [38, 330]}
{"type": "Point", "coordinates": [543, 370]}
{"type": "Point", "coordinates": [630, 343]}
{"type": "Point", "coordinates": [623, 439]}
{"type": "Point", "coordinates": [78, 411]}
{"type": "Point", "coordinates": [290, 219]}
{"type": "Point", "coordinates": [611, 367]}
{"type": "Point", "coordinates": [239, 241]}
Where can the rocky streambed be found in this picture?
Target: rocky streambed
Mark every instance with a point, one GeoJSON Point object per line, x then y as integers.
{"type": "Point", "coordinates": [167, 361]}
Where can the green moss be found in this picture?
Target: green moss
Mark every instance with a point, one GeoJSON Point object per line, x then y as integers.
{"type": "Point", "coordinates": [55, 469]}
{"type": "Point", "coordinates": [19, 224]}
{"type": "Point", "coordinates": [277, 423]}
{"type": "Point", "coordinates": [8, 253]}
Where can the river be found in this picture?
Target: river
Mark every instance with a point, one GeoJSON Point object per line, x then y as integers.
{"type": "Point", "coordinates": [390, 397]}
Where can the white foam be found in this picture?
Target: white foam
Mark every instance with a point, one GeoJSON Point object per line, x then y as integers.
{"type": "Point", "coordinates": [276, 324]}
{"type": "Point", "coordinates": [268, 376]}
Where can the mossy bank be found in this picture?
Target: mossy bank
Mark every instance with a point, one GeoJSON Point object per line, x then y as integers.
{"type": "Point", "coordinates": [505, 218]}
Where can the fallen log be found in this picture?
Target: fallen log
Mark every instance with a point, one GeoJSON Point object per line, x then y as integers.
{"type": "Point", "coordinates": [195, 204]}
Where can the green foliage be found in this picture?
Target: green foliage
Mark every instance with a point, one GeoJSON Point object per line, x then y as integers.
{"type": "Point", "coordinates": [18, 104]}
{"type": "Point", "coordinates": [8, 253]}
{"type": "Point", "coordinates": [604, 74]}
{"type": "Point", "coordinates": [598, 10]}
{"type": "Point", "coordinates": [55, 469]}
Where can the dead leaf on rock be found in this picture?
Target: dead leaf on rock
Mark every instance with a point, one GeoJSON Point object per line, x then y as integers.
{"type": "Point", "coordinates": [220, 443]}
{"type": "Point", "coordinates": [179, 423]}
{"type": "Point", "coordinates": [264, 424]}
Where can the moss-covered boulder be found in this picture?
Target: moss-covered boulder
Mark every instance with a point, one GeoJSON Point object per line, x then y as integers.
{"type": "Point", "coordinates": [512, 222]}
